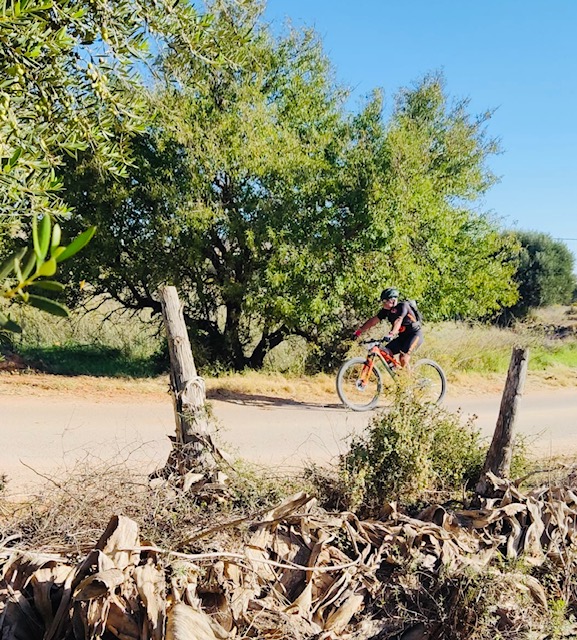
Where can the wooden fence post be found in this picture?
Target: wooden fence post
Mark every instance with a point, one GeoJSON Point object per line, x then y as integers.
{"type": "Point", "coordinates": [498, 460]}
{"type": "Point", "coordinates": [192, 446]}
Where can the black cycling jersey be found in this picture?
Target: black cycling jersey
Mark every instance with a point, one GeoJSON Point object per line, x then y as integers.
{"type": "Point", "coordinates": [401, 310]}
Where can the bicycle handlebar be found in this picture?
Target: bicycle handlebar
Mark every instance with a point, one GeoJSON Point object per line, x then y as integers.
{"type": "Point", "coordinates": [383, 339]}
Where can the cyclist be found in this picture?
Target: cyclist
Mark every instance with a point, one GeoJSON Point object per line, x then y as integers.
{"type": "Point", "coordinates": [405, 335]}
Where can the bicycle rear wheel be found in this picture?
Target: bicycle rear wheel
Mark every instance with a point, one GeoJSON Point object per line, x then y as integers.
{"type": "Point", "coordinates": [358, 389]}
{"type": "Point", "coordinates": [430, 383]}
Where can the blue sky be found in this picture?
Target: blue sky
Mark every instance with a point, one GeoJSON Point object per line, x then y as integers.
{"type": "Point", "coordinates": [516, 56]}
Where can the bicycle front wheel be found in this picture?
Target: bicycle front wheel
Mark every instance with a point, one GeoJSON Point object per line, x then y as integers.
{"type": "Point", "coordinates": [358, 388]}
{"type": "Point", "coordinates": [430, 383]}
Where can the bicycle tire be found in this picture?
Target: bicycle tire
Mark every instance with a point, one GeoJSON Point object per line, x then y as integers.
{"type": "Point", "coordinates": [348, 389]}
{"type": "Point", "coordinates": [431, 383]}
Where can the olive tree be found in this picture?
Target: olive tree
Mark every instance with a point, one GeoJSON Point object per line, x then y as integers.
{"type": "Point", "coordinates": [70, 82]}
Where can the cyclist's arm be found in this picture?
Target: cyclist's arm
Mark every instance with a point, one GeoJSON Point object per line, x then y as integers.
{"type": "Point", "coordinates": [398, 323]}
{"type": "Point", "coordinates": [369, 324]}
{"type": "Point", "coordinates": [396, 327]}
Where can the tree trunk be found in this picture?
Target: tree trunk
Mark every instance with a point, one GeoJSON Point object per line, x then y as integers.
{"type": "Point", "coordinates": [498, 460]}
{"type": "Point", "coordinates": [265, 344]}
{"type": "Point", "coordinates": [193, 448]}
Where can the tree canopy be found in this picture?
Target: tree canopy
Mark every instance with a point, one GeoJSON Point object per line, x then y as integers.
{"type": "Point", "coordinates": [70, 81]}
{"type": "Point", "coordinates": [544, 275]}
{"type": "Point", "coordinates": [276, 212]}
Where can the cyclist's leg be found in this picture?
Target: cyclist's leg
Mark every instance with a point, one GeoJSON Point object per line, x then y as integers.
{"type": "Point", "coordinates": [393, 347]}
{"type": "Point", "coordinates": [410, 343]}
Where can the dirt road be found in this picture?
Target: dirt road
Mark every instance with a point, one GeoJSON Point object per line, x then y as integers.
{"type": "Point", "coordinates": [51, 435]}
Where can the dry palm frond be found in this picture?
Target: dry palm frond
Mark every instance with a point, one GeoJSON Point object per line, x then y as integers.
{"type": "Point", "coordinates": [301, 573]}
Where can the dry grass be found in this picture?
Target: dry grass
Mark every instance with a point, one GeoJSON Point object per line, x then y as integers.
{"type": "Point", "coordinates": [474, 357]}
{"type": "Point", "coordinates": [472, 383]}
{"type": "Point", "coordinates": [70, 511]}
{"type": "Point", "coordinates": [29, 383]}
{"type": "Point", "coordinates": [303, 388]}
{"type": "Point", "coordinates": [319, 388]}
{"type": "Point", "coordinates": [101, 322]}
{"type": "Point", "coordinates": [556, 315]}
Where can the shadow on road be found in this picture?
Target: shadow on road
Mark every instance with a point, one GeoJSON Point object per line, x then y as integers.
{"type": "Point", "coordinates": [259, 400]}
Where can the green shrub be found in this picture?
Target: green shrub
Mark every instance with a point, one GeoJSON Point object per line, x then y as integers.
{"type": "Point", "coordinates": [406, 451]}
{"type": "Point", "coordinates": [251, 487]}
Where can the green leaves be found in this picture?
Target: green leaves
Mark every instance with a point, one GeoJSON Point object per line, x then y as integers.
{"type": "Point", "coordinates": [544, 273]}
{"type": "Point", "coordinates": [68, 83]}
{"type": "Point", "coordinates": [50, 306]}
{"type": "Point", "coordinates": [240, 169]}
{"type": "Point", "coordinates": [9, 325]}
{"type": "Point", "coordinates": [14, 159]}
{"type": "Point", "coordinates": [26, 268]}
{"type": "Point", "coordinates": [41, 236]}
{"type": "Point", "coordinates": [76, 245]}
{"type": "Point", "coordinates": [50, 285]}
{"type": "Point", "coordinates": [47, 268]}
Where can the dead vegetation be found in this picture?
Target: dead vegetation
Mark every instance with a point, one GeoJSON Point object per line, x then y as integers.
{"type": "Point", "coordinates": [181, 559]}
{"type": "Point", "coordinates": [172, 566]}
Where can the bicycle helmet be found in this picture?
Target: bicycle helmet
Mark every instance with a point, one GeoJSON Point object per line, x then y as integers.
{"type": "Point", "coordinates": [389, 293]}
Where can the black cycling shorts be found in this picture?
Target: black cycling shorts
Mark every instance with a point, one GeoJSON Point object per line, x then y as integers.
{"type": "Point", "coordinates": [406, 342]}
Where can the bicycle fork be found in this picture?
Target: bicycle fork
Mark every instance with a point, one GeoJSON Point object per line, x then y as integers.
{"type": "Point", "coordinates": [362, 381]}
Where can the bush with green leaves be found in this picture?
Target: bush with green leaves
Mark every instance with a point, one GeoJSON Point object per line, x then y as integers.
{"type": "Point", "coordinates": [406, 451]}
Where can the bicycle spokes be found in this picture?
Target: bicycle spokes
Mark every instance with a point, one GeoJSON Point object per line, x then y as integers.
{"type": "Point", "coordinates": [429, 382]}
{"type": "Point", "coordinates": [358, 384]}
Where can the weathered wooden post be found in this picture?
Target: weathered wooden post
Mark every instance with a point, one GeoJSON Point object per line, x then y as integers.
{"type": "Point", "coordinates": [193, 448]}
{"type": "Point", "coordinates": [498, 460]}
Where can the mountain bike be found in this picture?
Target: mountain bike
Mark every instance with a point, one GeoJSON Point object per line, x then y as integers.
{"type": "Point", "coordinates": [360, 382]}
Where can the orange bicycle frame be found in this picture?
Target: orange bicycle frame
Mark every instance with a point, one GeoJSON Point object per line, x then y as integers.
{"type": "Point", "coordinates": [390, 362]}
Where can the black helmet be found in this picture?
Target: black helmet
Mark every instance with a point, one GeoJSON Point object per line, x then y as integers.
{"type": "Point", "coordinates": [389, 293]}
